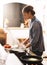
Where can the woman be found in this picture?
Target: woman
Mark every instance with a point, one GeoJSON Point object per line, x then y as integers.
{"type": "Point", "coordinates": [36, 44]}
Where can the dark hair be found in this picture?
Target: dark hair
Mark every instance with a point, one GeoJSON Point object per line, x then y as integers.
{"type": "Point", "coordinates": [28, 9]}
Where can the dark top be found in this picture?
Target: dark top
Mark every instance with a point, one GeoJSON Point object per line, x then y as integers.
{"type": "Point", "coordinates": [36, 36]}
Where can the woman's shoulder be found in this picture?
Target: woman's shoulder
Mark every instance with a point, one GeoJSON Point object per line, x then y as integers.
{"type": "Point", "coordinates": [37, 24]}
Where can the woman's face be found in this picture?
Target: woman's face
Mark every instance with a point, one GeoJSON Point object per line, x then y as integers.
{"type": "Point", "coordinates": [26, 16]}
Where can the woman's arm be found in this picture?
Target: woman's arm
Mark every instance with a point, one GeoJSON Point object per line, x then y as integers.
{"type": "Point", "coordinates": [25, 41]}
{"type": "Point", "coordinates": [28, 45]}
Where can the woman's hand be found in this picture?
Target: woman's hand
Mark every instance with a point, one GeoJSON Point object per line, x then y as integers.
{"type": "Point", "coordinates": [25, 41]}
{"type": "Point", "coordinates": [27, 45]}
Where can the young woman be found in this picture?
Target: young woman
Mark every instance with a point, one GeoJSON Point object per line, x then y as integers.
{"type": "Point", "coordinates": [36, 44]}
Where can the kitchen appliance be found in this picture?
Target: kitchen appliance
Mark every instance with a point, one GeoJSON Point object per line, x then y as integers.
{"type": "Point", "coordinates": [31, 59]}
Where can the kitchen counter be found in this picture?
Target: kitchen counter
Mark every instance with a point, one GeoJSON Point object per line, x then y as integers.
{"type": "Point", "coordinates": [12, 59]}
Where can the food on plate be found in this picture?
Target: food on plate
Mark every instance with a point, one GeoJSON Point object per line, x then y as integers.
{"type": "Point", "coordinates": [7, 46]}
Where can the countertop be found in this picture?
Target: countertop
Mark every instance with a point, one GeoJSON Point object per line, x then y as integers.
{"type": "Point", "coordinates": [12, 59]}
